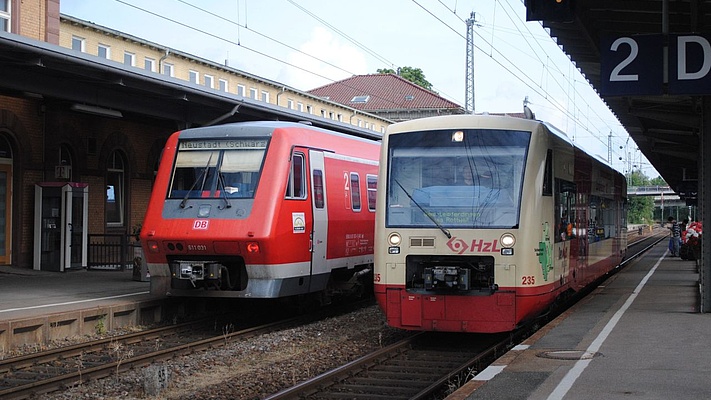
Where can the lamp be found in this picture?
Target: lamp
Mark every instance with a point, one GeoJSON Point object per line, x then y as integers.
{"type": "Point", "coordinates": [104, 112]}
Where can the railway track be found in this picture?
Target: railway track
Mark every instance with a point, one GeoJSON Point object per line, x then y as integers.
{"type": "Point", "coordinates": [425, 365]}
{"type": "Point", "coordinates": [34, 374]}
{"type": "Point", "coordinates": [417, 367]}
{"type": "Point", "coordinates": [31, 375]}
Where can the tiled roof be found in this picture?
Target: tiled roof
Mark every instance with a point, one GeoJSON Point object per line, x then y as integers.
{"type": "Point", "coordinates": [382, 92]}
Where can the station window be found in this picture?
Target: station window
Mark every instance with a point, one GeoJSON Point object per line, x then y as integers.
{"type": "Point", "coordinates": [253, 93]}
{"type": "Point", "coordinates": [372, 182]}
{"type": "Point", "coordinates": [223, 85]}
{"type": "Point", "coordinates": [209, 81]}
{"type": "Point", "coordinates": [115, 187]}
{"type": "Point", "coordinates": [300, 107]}
{"type": "Point", "coordinates": [290, 104]}
{"type": "Point", "coordinates": [5, 15]}
{"type": "Point", "coordinates": [168, 69]}
{"type": "Point", "coordinates": [193, 76]}
{"type": "Point", "coordinates": [355, 192]}
{"type": "Point", "coordinates": [78, 44]}
{"type": "Point", "coordinates": [149, 64]}
{"type": "Point", "coordinates": [240, 90]}
{"type": "Point", "coordinates": [64, 164]}
{"type": "Point", "coordinates": [296, 186]}
{"type": "Point", "coordinates": [129, 58]}
{"type": "Point", "coordinates": [104, 51]}
{"type": "Point", "coordinates": [265, 96]}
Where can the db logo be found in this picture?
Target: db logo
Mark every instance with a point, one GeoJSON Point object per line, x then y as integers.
{"type": "Point", "coordinates": [200, 224]}
{"type": "Point", "coordinates": [457, 245]}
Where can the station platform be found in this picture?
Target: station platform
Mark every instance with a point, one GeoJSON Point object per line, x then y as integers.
{"type": "Point", "coordinates": [638, 335]}
{"type": "Point", "coordinates": [37, 307]}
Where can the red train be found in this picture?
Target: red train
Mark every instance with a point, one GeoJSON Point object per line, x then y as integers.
{"type": "Point", "coordinates": [262, 210]}
{"type": "Point", "coordinates": [484, 221]}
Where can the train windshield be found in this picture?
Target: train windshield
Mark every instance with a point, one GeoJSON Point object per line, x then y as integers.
{"type": "Point", "coordinates": [217, 168]}
{"type": "Point", "coordinates": [456, 178]}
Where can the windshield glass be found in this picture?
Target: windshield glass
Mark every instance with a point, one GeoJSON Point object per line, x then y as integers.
{"type": "Point", "coordinates": [456, 179]}
{"type": "Point", "coordinates": [217, 168]}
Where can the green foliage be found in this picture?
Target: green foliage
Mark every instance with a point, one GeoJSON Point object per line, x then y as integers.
{"type": "Point", "coordinates": [637, 178]}
{"type": "Point", "coordinates": [414, 75]}
{"type": "Point", "coordinates": [640, 209]}
{"type": "Point", "coordinates": [658, 181]}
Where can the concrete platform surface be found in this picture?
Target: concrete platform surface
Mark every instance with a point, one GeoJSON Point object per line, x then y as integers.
{"type": "Point", "coordinates": [639, 335]}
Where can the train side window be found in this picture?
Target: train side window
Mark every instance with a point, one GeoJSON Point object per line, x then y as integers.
{"type": "Point", "coordinates": [565, 210]}
{"type": "Point", "coordinates": [548, 175]}
{"type": "Point", "coordinates": [296, 186]}
{"type": "Point", "coordinates": [319, 201]}
{"type": "Point", "coordinates": [372, 186]}
{"type": "Point", "coordinates": [355, 192]}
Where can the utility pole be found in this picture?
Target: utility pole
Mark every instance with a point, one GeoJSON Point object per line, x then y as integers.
{"type": "Point", "coordinates": [609, 149]}
{"type": "Point", "coordinates": [469, 78]}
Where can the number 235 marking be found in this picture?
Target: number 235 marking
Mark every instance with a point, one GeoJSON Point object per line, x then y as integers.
{"type": "Point", "coordinates": [528, 280]}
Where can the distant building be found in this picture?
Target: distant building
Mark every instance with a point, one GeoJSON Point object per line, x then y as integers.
{"type": "Point", "coordinates": [87, 37]}
{"type": "Point", "coordinates": [388, 96]}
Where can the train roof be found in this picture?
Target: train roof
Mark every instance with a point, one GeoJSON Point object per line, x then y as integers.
{"type": "Point", "coordinates": [488, 121]}
{"type": "Point", "coordinates": [263, 127]}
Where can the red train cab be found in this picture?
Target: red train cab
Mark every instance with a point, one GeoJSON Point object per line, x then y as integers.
{"type": "Point", "coordinates": [262, 210]}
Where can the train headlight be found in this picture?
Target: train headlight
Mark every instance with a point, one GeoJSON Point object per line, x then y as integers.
{"type": "Point", "coordinates": [252, 247]}
{"type": "Point", "coordinates": [508, 240]}
{"type": "Point", "coordinates": [394, 239]}
{"type": "Point", "coordinates": [153, 246]}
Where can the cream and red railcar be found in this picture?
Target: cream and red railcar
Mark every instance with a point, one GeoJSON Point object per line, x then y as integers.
{"type": "Point", "coordinates": [483, 221]}
{"type": "Point", "coordinates": [262, 210]}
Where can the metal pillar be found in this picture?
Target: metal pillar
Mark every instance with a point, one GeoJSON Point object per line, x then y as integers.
{"type": "Point", "coordinates": [704, 202]}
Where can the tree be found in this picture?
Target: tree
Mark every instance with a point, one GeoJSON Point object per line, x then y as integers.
{"type": "Point", "coordinates": [658, 181]}
{"type": "Point", "coordinates": [414, 75]}
{"type": "Point", "coordinates": [640, 209]}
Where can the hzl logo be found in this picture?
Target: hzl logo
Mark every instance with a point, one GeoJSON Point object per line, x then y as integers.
{"type": "Point", "coordinates": [476, 246]}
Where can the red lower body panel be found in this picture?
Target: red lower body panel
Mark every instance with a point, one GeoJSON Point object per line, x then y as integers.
{"type": "Point", "coordinates": [485, 313]}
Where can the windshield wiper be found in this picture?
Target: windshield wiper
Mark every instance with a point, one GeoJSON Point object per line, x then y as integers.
{"type": "Point", "coordinates": [203, 174]}
{"type": "Point", "coordinates": [441, 228]}
{"type": "Point", "coordinates": [223, 194]}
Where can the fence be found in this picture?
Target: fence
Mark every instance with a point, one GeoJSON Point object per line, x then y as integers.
{"type": "Point", "coordinates": [111, 251]}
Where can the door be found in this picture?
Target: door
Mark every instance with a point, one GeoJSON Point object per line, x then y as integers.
{"type": "Point", "coordinates": [319, 234]}
{"type": "Point", "coordinates": [74, 245]}
{"type": "Point", "coordinates": [5, 214]}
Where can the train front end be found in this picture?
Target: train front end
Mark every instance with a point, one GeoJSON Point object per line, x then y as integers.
{"type": "Point", "coordinates": [205, 226]}
{"type": "Point", "coordinates": [449, 249]}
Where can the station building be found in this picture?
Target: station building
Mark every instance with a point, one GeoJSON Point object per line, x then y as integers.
{"type": "Point", "coordinates": [88, 105]}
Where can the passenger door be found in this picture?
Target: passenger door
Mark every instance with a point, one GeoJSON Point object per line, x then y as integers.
{"type": "Point", "coordinates": [319, 234]}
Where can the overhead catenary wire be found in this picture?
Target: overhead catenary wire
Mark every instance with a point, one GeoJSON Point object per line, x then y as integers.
{"type": "Point", "coordinates": [536, 85]}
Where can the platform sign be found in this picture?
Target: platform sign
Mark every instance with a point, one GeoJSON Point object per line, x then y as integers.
{"type": "Point", "coordinates": [631, 65]}
{"type": "Point", "coordinates": [690, 67]}
{"type": "Point", "coordinates": [634, 65]}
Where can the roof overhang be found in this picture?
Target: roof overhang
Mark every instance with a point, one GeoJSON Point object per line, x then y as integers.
{"type": "Point", "coordinates": [666, 126]}
{"type": "Point", "coordinates": [35, 69]}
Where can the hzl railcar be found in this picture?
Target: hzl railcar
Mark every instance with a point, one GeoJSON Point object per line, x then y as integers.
{"type": "Point", "coordinates": [482, 222]}
{"type": "Point", "coordinates": [262, 210]}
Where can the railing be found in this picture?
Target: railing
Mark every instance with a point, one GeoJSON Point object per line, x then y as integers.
{"type": "Point", "coordinates": [111, 251]}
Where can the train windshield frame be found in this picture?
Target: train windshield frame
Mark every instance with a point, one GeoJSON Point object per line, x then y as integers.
{"type": "Point", "coordinates": [456, 178]}
{"type": "Point", "coordinates": [217, 168]}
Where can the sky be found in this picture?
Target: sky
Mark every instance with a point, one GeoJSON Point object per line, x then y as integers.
{"type": "Point", "coordinates": [306, 44]}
